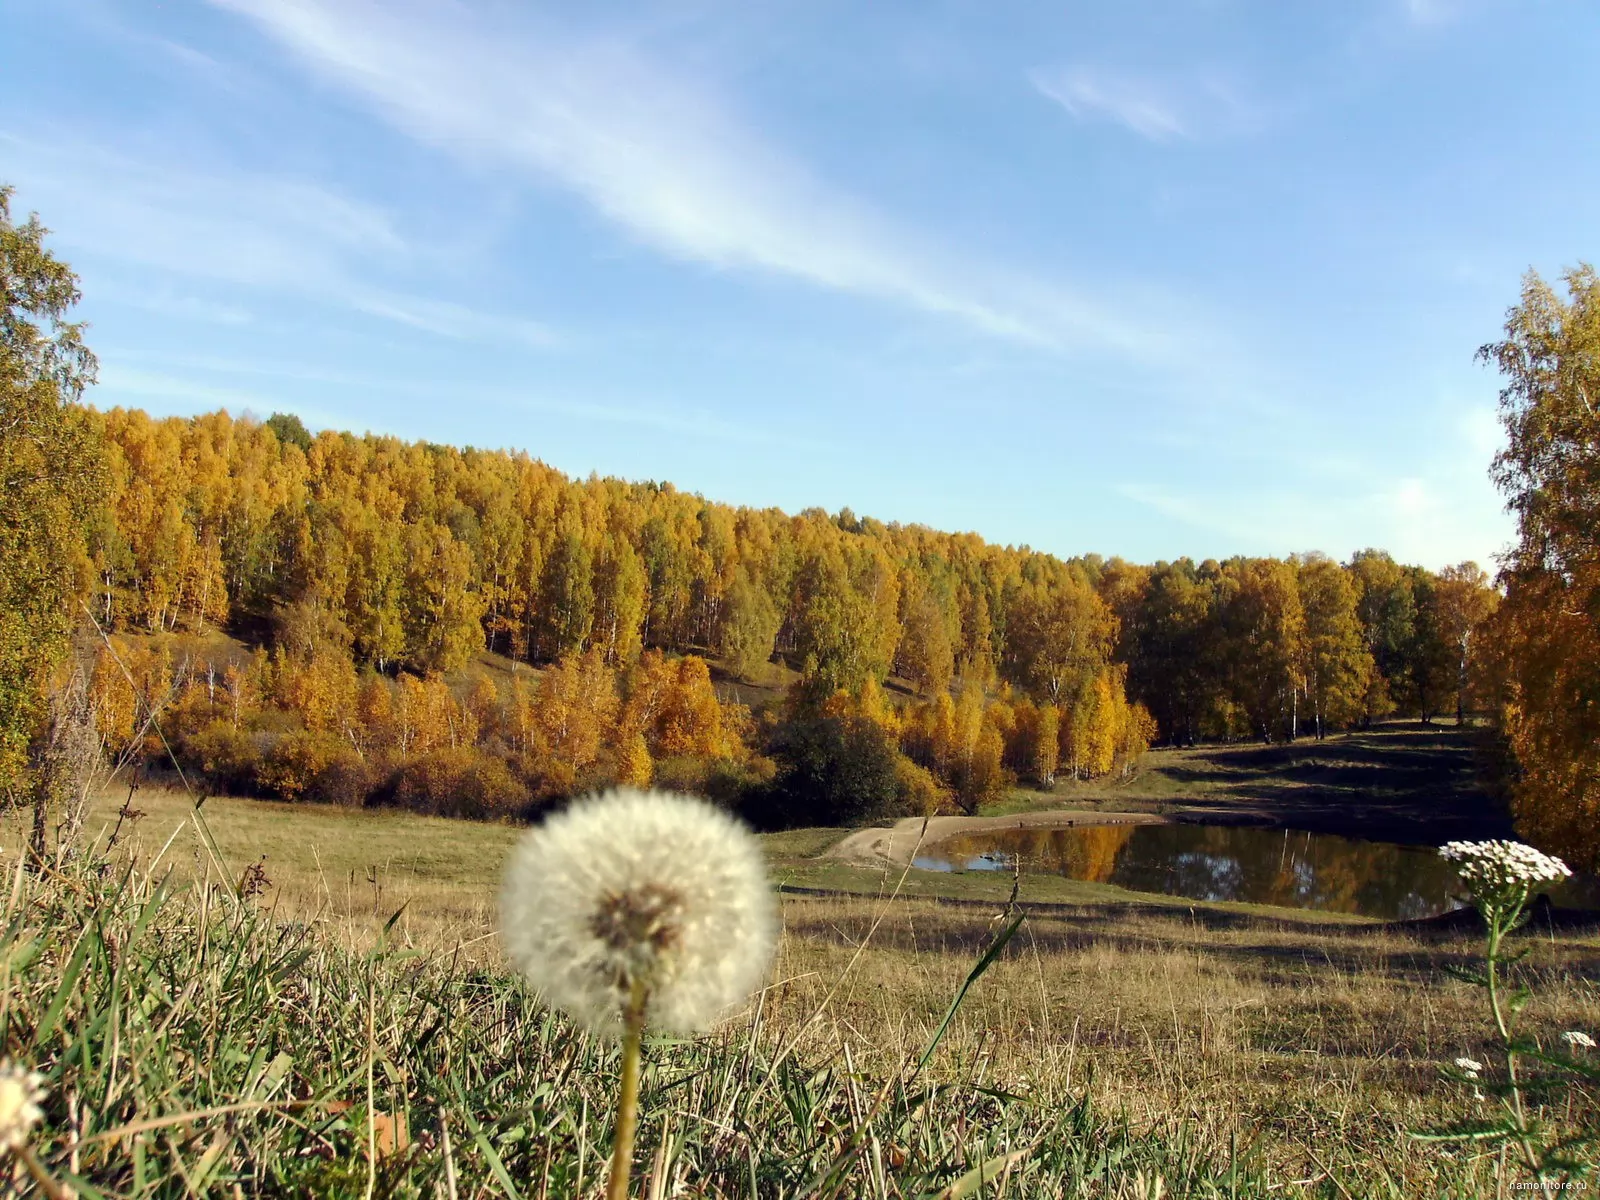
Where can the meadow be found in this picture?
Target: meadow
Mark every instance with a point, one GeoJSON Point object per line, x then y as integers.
{"type": "Point", "coordinates": [349, 1028]}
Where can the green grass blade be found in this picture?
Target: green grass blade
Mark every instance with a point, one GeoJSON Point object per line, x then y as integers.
{"type": "Point", "coordinates": [484, 1144]}
{"type": "Point", "coordinates": [69, 981]}
{"type": "Point", "coordinates": [984, 1172]}
{"type": "Point", "coordinates": [983, 964]}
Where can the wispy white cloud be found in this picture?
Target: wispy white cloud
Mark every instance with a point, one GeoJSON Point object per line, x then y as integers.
{"type": "Point", "coordinates": [450, 320]}
{"type": "Point", "coordinates": [1431, 12]}
{"type": "Point", "coordinates": [117, 380]}
{"type": "Point", "coordinates": [1441, 513]}
{"type": "Point", "coordinates": [236, 228]}
{"type": "Point", "coordinates": [658, 155]}
{"type": "Point", "coordinates": [177, 395]}
{"type": "Point", "coordinates": [120, 25]}
{"type": "Point", "coordinates": [1137, 103]}
{"type": "Point", "coordinates": [198, 383]}
{"type": "Point", "coordinates": [130, 358]}
{"type": "Point", "coordinates": [171, 302]}
{"type": "Point", "coordinates": [665, 418]}
{"type": "Point", "coordinates": [1160, 107]}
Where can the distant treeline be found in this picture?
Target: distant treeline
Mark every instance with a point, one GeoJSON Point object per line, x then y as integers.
{"type": "Point", "coordinates": [371, 573]}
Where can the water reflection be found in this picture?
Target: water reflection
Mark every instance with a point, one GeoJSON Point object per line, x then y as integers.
{"type": "Point", "coordinates": [1290, 869]}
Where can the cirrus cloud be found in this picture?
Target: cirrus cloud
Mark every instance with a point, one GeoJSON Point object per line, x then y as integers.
{"type": "Point", "coordinates": [1158, 107]}
{"type": "Point", "coordinates": [659, 157]}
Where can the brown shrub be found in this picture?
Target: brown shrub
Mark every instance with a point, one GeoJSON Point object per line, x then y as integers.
{"type": "Point", "coordinates": [723, 782]}
{"type": "Point", "coordinates": [296, 760]}
{"type": "Point", "coordinates": [230, 758]}
{"type": "Point", "coordinates": [458, 782]}
{"type": "Point", "coordinates": [346, 780]}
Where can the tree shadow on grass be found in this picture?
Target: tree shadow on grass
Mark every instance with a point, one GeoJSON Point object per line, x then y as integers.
{"type": "Point", "coordinates": [1447, 942]}
{"type": "Point", "coordinates": [1411, 784]}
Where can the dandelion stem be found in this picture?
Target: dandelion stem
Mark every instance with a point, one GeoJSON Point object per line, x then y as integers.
{"type": "Point", "coordinates": [628, 1099]}
{"type": "Point", "coordinates": [42, 1177]}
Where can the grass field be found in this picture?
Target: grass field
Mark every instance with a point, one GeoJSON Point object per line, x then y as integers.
{"type": "Point", "coordinates": [1278, 1053]}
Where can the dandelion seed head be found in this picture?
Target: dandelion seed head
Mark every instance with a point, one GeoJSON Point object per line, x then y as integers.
{"type": "Point", "coordinates": [648, 886]}
{"type": "Point", "coordinates": [21, 1093]}
{"type": "Point", "coordinates": [1578, 1039]}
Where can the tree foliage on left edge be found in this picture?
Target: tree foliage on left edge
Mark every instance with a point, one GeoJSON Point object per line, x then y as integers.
{"type": "Point", "coordinates": [49, 476]}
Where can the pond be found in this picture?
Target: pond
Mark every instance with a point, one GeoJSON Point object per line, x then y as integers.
{"type": "Point", "coordinates": [1287, 868]}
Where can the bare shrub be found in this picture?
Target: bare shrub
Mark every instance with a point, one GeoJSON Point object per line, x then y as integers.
{"type": "Point", "coordinates": [67, 767]}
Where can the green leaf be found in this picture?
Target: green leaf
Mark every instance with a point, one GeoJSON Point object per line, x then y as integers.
{"type": "Point", "coordinates": [1470, 1131]}
{"type": "Point", "coordinates": [984, 1172]}
{"type": "Point", "coordinates": [82, 1186]}
{"type": "Point", "coordinates": [1565, 1061]}
{"type": "Point", "coordinates": [380, 948]}
{"type": "Point", "coordinates": [1463, 973]}
{"type": "Point", "coordinates": [158, 899]}
{"type": "Point", "coordinates": [1555, 1156]}
{"type": "Point", "coordinates": [290, 967]}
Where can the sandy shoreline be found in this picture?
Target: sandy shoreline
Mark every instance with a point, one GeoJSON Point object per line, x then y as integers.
{"type": "Point", "coordinates": [895, 846]}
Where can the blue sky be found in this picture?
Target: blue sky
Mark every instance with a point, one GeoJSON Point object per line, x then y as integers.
{"type": "Point", "coordinates": [1152, 279]}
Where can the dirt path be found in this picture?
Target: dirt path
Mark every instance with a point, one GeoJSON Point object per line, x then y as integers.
{"type": "Point", "coordinates": [896, 845]}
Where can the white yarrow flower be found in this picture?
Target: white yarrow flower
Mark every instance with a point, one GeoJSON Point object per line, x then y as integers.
{"type": "Point", "coordinates": [1500, 868]}
{"type": "Point", "coordinates": [1578, 1040]}
{"type": "Point", "coordinates": [1469, 1066]}
{"type": "Point", "coordinates": [632, 887]}
{"type": "Point", "coordinates": [21, 1093]}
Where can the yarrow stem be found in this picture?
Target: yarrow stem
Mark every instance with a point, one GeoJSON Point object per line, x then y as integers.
{"type": "Point", "coordinates": [1500, 923]}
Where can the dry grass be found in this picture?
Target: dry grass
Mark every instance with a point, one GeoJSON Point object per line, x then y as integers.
{"type": "Point", "coordinates": [1290, 1033]}
{"type": "Point", "coordinates": [347, 869]}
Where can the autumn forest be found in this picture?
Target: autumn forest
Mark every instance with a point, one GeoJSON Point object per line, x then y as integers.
{"type": "Point", "coordinates": [379, 584]}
